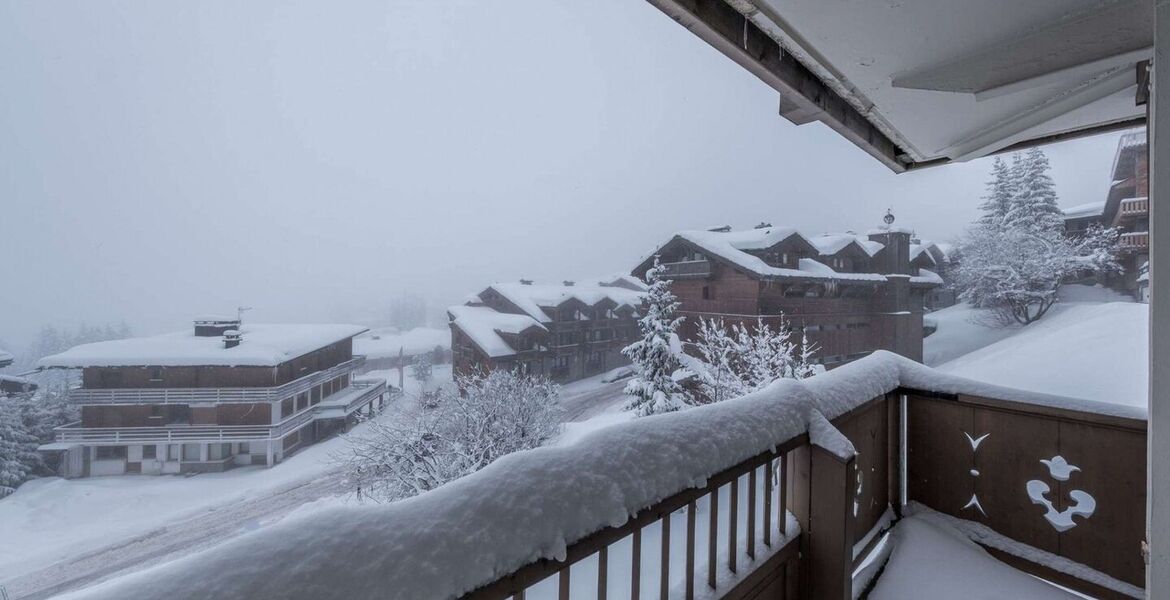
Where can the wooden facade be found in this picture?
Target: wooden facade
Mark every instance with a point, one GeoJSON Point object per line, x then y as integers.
{"type": "Point", "coordinates": [846, 317]}
{"type": "Point", "coordinates": [174, 418]}
{"type": "Point", "coordinates": [577, 340]}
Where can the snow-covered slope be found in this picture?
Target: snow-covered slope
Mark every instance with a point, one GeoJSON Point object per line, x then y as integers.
{"type": "Point", "coordinates": [1084, 348]}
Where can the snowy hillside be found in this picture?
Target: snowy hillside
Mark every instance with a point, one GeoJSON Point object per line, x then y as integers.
{"type": "Point", "coordinates": [1093, 345]}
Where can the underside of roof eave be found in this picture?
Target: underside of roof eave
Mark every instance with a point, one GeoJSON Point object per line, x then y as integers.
{"type": "Point", "coordinates": [812, 90]}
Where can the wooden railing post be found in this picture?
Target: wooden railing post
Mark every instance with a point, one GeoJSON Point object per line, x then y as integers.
{"type": "Point", "coordinates": [830, 525]}
{"type": "Point", "coordinates": [797, 486]}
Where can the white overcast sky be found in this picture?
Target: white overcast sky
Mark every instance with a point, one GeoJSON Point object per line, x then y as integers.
{"type": "Point", "coordinates": [160, 159]}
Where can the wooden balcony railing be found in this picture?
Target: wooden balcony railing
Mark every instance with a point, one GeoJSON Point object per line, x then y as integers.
{"type": "Point", "coordinates": [218, 395]}
{"type": "Point", "coordinates": [688, 269]}
{"type": "Point", "coordinates": [362, 393]}
{"type": "Point", "coordinates": [798, 520]}
{"type": "Point", "coordinates": [1137, 240]}
{"type": "Point", "coordinates": [1134, 207]}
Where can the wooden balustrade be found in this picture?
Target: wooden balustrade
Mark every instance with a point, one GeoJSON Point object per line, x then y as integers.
{"type": "Point", "coordinates": [735, 538]}
{"type": "Point", "coordinates": [726, 537]}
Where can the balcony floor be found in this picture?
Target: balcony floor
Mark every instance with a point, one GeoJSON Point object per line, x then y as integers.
{"type": "Point", "coordinates": [930, 558]}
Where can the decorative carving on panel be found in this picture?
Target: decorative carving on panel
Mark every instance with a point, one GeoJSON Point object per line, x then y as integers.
{"type": "Point", "coordinates": [1083, 504]}
{"type": "Point", "coordinates": [974, 501]}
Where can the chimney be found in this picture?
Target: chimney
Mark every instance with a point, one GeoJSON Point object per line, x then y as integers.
{"type": "Point", "coordinates": [232, 338]}
{"type": "Point", "coordinates": [567, 283]}
{"type": "Point", "coordinates": [763, 225]}
{"type": "Point", "coordinates": [720, 229]}
{"type": "Point", "coordinates": [525, 282]}
{"type": "Point", "coordinates": [895, 257]}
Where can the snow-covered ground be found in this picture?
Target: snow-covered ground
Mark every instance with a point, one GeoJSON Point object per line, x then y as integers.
{"type": "Point", "coordinates": [1092, 345]}
{"type": "Point", "coordinates": [59, 534]}
{"type": "Point", "coordinates": [56, 530]}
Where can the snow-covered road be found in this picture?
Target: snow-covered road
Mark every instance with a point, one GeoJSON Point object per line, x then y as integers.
{"type": "Point", "coordinates": [176, 539]}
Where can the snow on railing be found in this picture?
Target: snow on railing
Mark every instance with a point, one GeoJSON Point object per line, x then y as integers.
{"type": "Point", "coordinates": [187, 395]}
{"type": "Point", "coordinates": [539, 506]}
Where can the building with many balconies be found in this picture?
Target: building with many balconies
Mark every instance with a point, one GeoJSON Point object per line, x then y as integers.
{"type": "Point", "coordinates": [565, 331]}
{"type": "Point", "coordinates": [1126, 207]}
{"type": "Point", "coordinates": [220, 395]}
{"type": "Point", "coordinates": [850, 294]}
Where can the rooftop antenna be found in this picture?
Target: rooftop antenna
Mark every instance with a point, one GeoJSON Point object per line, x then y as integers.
{"type": "Point", "coordinates": [889, 218]}
{"type": "Point", "coordinates": [240, 310]}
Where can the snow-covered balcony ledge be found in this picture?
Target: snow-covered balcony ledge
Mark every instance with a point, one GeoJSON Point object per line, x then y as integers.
{"type": "Point", "coordinates": [830, 458]}
{"type": "Point", "coordinates": [82, 396]}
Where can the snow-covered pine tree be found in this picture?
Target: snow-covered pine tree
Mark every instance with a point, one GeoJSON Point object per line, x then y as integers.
{"type": "Point", "coordinates": [738, 360]}
{"type": "Point", "coordinates": [1033, 203]}
{"type": "Point", "coordinates": [18, 447]}
{"type": "Point", "coordinates": [421, 369]}
{"type": "Point", "coordinates": [484, 417]}
{"type": "Point", "coordinates": [653, 388]}
{"type": "Point", "coordinates": [1000, 191]}
{"type": "Point", "coordinates": [720, 353]}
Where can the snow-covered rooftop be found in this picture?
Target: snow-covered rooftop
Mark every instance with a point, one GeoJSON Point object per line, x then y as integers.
{"type": "Point", "coordinates": [531, 297]}
{"type": "Point", "coordinates": [6, 357]}
{"type": "Point", "coordinates": [1088, 209]}
{"type": "Point", "coordinates": [264, 345]}
{"type": "Point", "coordinates": [484, 326]}
{"type": "Point", "coordinates": [387, 342]}
{"type": "Point", "coordinates": [731, 246]}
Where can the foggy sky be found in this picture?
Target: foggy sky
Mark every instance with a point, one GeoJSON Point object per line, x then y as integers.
{"type": "Point", "coordinates": [160, 159]}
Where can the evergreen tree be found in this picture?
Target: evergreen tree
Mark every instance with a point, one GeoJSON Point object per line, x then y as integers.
{"type": "Point", "coordinates": [18, 447]}
{"type": "Point", "coordinates": [653, 389]}
{"type": "Point", "coordinates": [1000, 191]}
{"type": "Point", "coordinates": [1033, 203]}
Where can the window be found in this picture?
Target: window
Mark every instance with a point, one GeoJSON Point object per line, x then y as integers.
{"type": "Point", "coordinates": [706, 292]}
{"type": "Point", "coordinates": [286, 407]}
{"type": "Point", "coordinates": [156, 374]}
{"type": "Point", "coordinates": [191, 452]}
{"type": "Point", "coordinates": [109, 452]}
{"type": "Point", "coordinates": [173, 452]}
{"type": "Point", "coordinates": [149, 451]}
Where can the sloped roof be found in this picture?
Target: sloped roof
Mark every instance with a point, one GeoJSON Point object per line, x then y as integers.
{"type": "Point", "coordinates": [531, 297]}
{"type": "Point", "coordinates": [483, 325]}
{"type": "Point", "coordinates": [1088, 209]}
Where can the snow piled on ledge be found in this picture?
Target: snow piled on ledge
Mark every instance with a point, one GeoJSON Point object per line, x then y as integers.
{"type": "Point", "coordinates": [529, 505]}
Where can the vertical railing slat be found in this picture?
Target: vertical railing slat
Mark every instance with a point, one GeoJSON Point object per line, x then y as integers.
{"type": "Point", "coordinates": [664, 581]}
{"type": "Point", "coordinates": [602, 572]}
{"type": "Point", "coordinates": [733, 525]}
{"type": "Point", "coordinates": [781, 510]}
{"type": "Point", "coordinates": [768, 503]}
{"type": "Point", "coordinates": [636, 566]}
{"type": "Point", "coordinates": [564, 583]}
{"type": "Point", "coordinates": [690, 571]}
{"type": "Point", "coordinates": [751, 516]}
{"type": "Point", "coordinates": [713, 538]}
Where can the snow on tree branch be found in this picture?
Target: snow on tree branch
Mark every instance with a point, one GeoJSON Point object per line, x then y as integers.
{"type": "Point", "coordinates": [655, 388]}
{"type": "Point", "coordinates": [487, 416]}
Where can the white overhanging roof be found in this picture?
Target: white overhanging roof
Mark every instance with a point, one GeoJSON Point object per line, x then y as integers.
{"type": "Point", "coordinates": [919, 82]}
{"type": "Point", "coordinates": [263, 345]}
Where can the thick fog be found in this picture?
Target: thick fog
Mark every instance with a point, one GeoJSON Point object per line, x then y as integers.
{"type": "Point", "coordinates": [315, 160]}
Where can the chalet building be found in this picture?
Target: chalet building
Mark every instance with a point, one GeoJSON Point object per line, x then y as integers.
{"type": "Point", "coordinates": [1127, 207]}
{"type": "Point", "coordinates": [207, 399]}
{"type": "Point", "coordinates": [939, 259]}
{"type": "Point", "coordinates": [850, 294]}
{"type": "Point", "coordinates": [565, 331]}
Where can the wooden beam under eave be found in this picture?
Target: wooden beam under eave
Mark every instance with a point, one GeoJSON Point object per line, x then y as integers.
{"type": "Point", "coordinates": [803, 96]}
